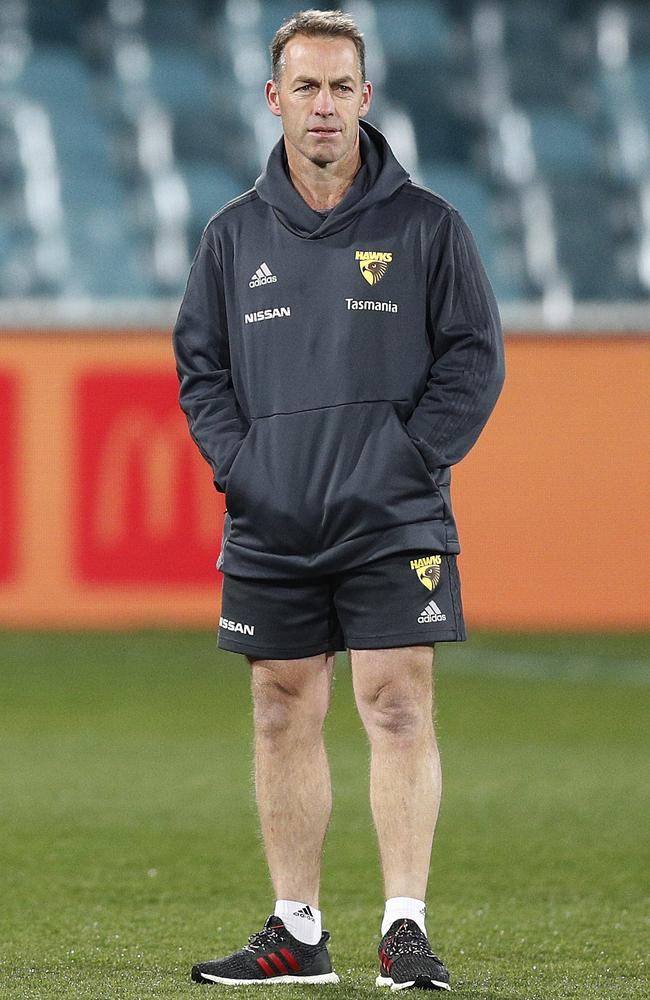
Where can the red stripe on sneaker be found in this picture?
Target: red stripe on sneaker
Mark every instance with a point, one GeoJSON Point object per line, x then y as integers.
{"type": "Point", "coordinates": [290, 960]}
{"type": "Point", "coordinates": [265, 967]}
{"type": "Point", "coordinates": [385, 960]}
{"type": "Point", "coordinates": [279, 964]}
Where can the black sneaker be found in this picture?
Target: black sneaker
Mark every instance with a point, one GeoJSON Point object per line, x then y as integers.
{"type": "Point", "coordinates": [406, 960]}
{"type": "Point", "coordinates": [273, 954]}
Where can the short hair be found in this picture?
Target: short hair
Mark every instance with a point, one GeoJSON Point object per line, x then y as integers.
{"type": "Point", "coordinates": [314, 24]}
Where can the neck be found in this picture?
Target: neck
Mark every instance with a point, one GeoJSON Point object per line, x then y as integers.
{"type": "Point", "coordinates": [322, 185]}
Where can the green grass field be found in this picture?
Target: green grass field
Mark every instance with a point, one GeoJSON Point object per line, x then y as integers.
{"type": "Point", "coordinates": [130, 848]}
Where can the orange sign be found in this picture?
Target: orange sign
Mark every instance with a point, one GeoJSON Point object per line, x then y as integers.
{"type": "Point", "coordinates": [109, 516]}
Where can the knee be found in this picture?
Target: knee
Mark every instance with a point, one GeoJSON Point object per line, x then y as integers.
{"type": "Point", "coordinates": [281, 708]}
{"type": "Point", "coordinates": [275, 711]}
{"type": "Point", "coordinates": [393, 714]}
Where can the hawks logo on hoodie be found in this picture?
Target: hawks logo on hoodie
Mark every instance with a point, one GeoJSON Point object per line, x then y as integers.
{"type": "Point", "coordinates": [373, 265]}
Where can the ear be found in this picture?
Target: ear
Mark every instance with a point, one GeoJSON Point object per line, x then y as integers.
{"type": "Point", "coordinates": [271, 94]}
{"type": "Point", "coordinates": [366, 99]}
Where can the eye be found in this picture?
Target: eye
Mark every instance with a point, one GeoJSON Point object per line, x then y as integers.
{"type": "Point", "coordinates": [343, 86]}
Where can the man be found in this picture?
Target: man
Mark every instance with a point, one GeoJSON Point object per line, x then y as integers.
{"type": "Point", "coordinates": [338, 349]}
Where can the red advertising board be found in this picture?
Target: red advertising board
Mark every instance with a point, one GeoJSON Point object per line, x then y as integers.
{"type": "Point", "coordinates": [9, 424]}
{"type": "Point", "coordinates": [141, 484]}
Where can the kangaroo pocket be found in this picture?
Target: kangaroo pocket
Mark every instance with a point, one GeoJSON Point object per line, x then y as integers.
{"type": "Point", "coordinates": [306, 481]}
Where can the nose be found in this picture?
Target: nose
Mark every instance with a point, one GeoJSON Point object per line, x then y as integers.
{"type": "Point", "coordinates": [324, 105]}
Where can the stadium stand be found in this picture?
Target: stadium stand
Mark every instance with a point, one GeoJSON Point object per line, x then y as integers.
{"type": "Point", "coordinates": [125, 124]}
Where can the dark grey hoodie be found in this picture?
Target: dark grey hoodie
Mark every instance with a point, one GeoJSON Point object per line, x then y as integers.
{"type": "Point", "coordinates": [333, 368]}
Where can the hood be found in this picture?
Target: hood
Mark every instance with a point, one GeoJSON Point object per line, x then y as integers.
{"type": "Point", "coordinates": [379, 176]}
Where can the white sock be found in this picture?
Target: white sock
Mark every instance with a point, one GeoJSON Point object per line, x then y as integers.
{"type": "Point", "coordinates": [404, 908]}
{"type": "Point", "coordinates": [300, 919]}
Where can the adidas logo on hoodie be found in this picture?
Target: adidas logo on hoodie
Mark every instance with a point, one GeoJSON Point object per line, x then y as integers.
{"type": "Point", "coordinates": [263, 276]}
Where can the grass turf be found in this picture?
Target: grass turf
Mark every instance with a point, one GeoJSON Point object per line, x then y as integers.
{"type": "Point", "coordinates": [129, 844]}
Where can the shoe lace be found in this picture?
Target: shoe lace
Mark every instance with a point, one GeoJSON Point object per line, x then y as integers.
{"type": "Point", "coordinates": [411, 941]}
{"type": "Point", "coordinates": [263, 938]}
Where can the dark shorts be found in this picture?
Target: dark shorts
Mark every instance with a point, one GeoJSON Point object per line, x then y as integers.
{"type": "Point", "coordinates": [403, 599]}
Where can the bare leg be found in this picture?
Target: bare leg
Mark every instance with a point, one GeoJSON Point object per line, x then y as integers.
{"type": "Point", "coordinates": [292, 778]}
{"type": "Point", "coordinates": [393, 690]}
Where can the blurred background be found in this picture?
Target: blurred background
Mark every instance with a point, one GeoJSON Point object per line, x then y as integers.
{"type": "Point", "coordinates": [127, 844]}
{"type": "Point", "coordinates": [125, 125]}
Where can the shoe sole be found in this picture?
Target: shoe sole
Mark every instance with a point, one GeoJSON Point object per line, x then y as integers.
{"type": "Point", "coordinates": [329, 977]}
{"type": "Point", "coordinates": [422, 983]}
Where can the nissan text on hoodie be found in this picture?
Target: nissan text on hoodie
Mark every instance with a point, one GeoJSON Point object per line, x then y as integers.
{"type": "Point", "coordinates": [333, 368]}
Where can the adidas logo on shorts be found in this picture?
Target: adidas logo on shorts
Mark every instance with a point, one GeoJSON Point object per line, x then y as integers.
{"type": "Point", "coordinates": [431, 613]}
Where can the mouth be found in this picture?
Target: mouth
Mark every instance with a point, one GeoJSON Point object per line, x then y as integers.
{"type": "Point", "coordinates": [324, 131]}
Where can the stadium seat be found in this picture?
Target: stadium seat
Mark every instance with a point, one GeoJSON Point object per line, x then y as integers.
{"type": "Point", "coordinates": [414, 30]}
{"type": "Point", "coordinates": [106, 262]}
{"type": "Point", "coordinates": [54, 74]}
{"type": "Point", "coordinates": [461, 187]}
{"type": "Point", "coordinates": [639, 15]}
{"type": "Point", "coordinates": [272, 14]}
{"type": "Point", "coordinates": [180, 79]}
{"type": "Point", "coordinates": [563, 143]}
{"type": "Point", "coordinates": [58, 23]}
{"type": "Point", "coordinates": [532, 86]}
{"type": "Point", "coordinates": [640, 73]}
{"type": "Point", "coordinates": [216, 138]}
{"type": "Point", "coordinates": [209, 187]}
{"type": "Point", "coordinates": [7, 246]}
{"type": "Point", "coordinates": [167, 21]}
{"type": "Point", "coordinates": [440, 133]}
{"type": "Point", "coordinates": [531, 26]}
{"type": "Point", "coordinates": [585, 237]}
{"type": "Point", "coordinates": [464, 191]}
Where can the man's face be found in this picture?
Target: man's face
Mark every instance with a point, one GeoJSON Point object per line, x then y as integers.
{"type": "Point", "coordinates": [320, 97]}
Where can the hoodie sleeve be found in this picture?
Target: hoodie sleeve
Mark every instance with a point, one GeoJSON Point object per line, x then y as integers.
{"type": "Point", "coordinates": [464, 329]}
{"type": "Point", "coordinates": [200, 341]}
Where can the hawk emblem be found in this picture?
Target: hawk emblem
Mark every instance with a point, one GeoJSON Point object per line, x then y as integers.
{"type": "Point", "coordinates": [373, 264]}
{"type": "Point", "coordinates": [428, 569]}
{"type": "Point", "coordinates": [373, 270]}
{"type": "Point", "coordinates": [430, 576]}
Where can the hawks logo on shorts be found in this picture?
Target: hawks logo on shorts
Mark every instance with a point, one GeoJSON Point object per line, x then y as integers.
{"type": "Point", "coordinates": [428, 569]}
{"type": "Point", "coordinates": [373, 264]}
